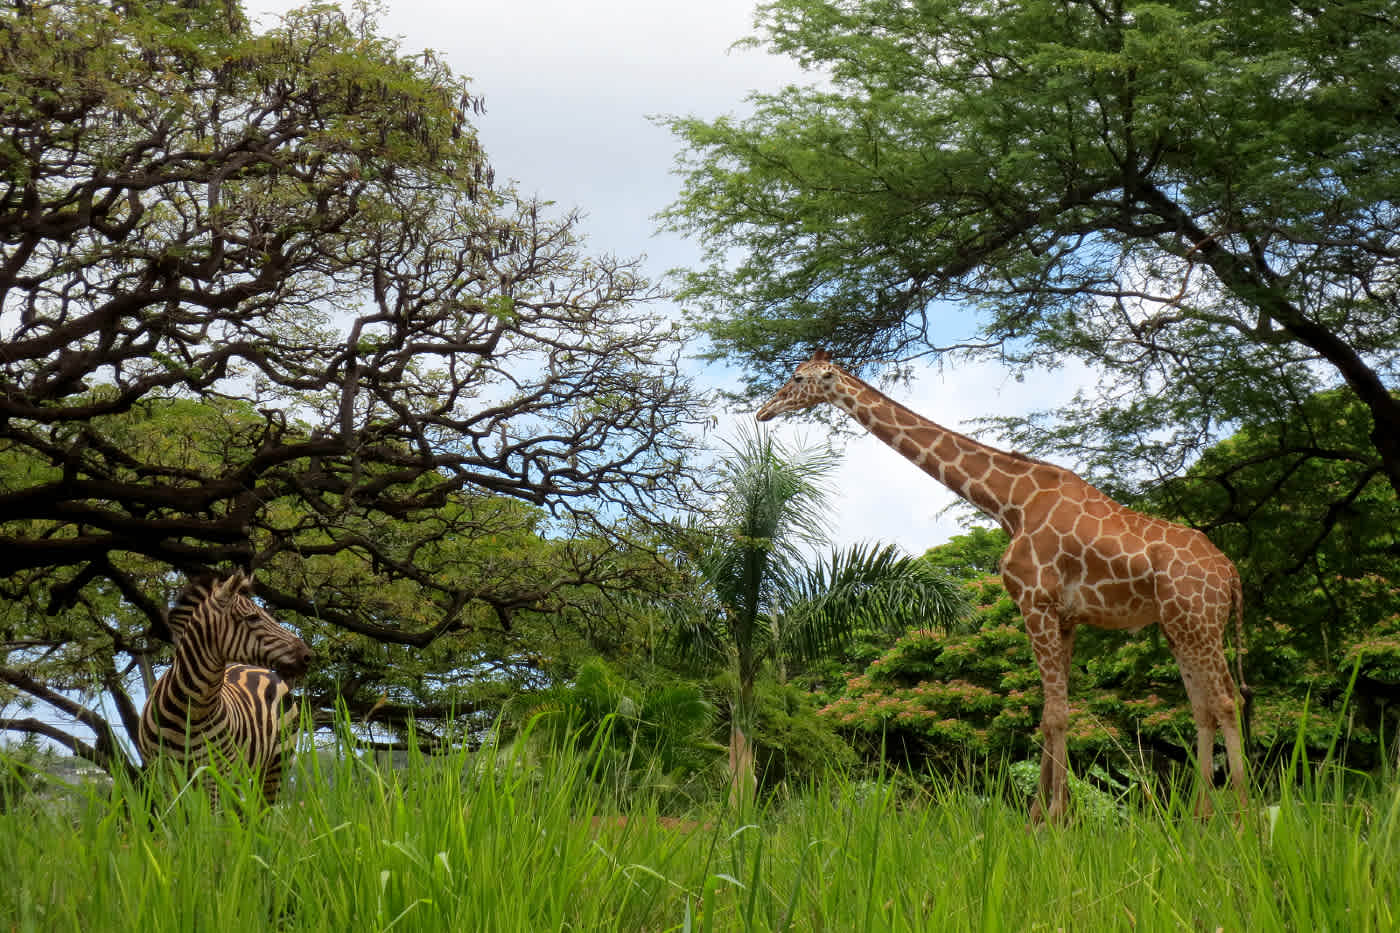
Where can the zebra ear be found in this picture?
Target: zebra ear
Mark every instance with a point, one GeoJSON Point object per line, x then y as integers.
{"type": "Point", "coordinates": [223, 591]}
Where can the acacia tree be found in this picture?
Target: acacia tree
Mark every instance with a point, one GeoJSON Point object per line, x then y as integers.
{"type": "Point", "coordinates": [1198, 199]}
{"type": "Point", "coordinates": [300, 229]}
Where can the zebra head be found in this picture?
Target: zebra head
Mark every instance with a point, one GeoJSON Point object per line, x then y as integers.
{"type": "Point", "coordinates": [221, 618]}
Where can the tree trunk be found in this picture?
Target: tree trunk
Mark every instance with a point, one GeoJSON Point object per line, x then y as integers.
{"type": "Point", "coordinates": [743, 783]}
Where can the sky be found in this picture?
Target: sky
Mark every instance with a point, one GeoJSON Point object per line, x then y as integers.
{"type": "Point", "coordinates": [569, 88]}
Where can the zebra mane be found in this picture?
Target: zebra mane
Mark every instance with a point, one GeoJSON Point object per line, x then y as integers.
{"type": "Point", "coordinates": [195, 591]}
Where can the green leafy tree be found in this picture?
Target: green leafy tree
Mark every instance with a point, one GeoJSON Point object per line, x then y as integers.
{"type": "Point", "coordinates": [1196, 199]}
{"type": "Point", "coordinates": [761, 596]}
{"type": "Point", "coordinates": [943, 701]}
{"type": "Point", "coordinates": [299, 230]}
{"type": "Point", "coordinates": [968, 556]}
{"type": "Point", "coordinates": [539, 605]}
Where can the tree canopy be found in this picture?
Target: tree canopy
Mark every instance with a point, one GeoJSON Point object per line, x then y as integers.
{"type": "Point", "coordinates": [1195, 198]}
{"type": "Point", "coordinates": [262, 304]}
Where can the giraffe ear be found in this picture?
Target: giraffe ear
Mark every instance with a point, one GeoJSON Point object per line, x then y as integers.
{"type": "Point", "coordinates": [820, 356]}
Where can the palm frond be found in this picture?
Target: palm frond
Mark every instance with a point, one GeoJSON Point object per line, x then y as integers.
{"type": "Point", "coordinates": [776, 496]}
{"type": "Point", "coordinates": [868, 586]}
{"type": "Point", "coordinates": [747, 556]}
{"type": "Point", "coordinates": [697, 640]}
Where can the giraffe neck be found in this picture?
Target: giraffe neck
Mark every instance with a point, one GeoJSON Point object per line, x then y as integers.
{"type": "Point", "coordinates": [982, 475]}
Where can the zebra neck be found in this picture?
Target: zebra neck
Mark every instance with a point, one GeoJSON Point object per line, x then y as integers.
{"type": "Point", "coordinates": [193, 683]}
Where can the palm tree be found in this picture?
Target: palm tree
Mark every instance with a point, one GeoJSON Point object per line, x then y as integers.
{"type": "Point", "coordinates": [764, 596]}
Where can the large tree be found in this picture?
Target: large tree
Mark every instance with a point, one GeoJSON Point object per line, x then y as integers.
{"type": "Point", "coordinates": [1198, 199]}
{"type": "Point", "coordinates": [298, 229]}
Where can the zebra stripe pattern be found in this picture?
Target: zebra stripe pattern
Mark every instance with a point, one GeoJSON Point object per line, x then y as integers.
{"type": "Point", "coordinates": [222, 698]}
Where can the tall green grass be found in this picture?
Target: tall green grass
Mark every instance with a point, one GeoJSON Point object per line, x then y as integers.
{"type": "Point", "coordinates": [483, 842]}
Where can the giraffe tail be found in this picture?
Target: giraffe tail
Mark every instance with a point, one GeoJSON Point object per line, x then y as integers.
{"type": "Point", "coordinates": [1246, 691]}
{"type": "Point", "coordinates": [1237, 610]}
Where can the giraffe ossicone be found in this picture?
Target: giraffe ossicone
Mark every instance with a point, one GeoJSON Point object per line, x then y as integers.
{"type": "Point", "coordinates": [1076, 557]}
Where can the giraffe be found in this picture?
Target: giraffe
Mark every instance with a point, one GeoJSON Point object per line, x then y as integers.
{"type": "Point", "coordinates": [1076, 557]}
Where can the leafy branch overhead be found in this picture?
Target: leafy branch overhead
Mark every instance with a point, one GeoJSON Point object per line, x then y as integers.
{"type": "Point", "coordinates": [1196, 200]}
{"type": "Point", "coordinates": [262, 303]}
{"type": "Point", "coordinates": [304, 220]}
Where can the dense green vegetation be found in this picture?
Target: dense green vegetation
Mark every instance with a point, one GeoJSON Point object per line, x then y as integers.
{"type": "Point", "coordinates": [468, 842]}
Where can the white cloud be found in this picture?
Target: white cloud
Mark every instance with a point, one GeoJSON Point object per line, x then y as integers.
{"type": "Point", "coordinates": [569, 87]}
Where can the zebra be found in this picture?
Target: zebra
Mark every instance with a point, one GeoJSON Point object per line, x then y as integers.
{"type": "Point", "coordinates": [214, 705]}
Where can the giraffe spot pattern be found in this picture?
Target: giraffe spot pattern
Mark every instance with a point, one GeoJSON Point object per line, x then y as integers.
{"type": "Point", "coordinates": [1076, 558]}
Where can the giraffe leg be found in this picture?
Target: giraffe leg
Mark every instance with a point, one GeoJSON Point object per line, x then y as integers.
{"type": "Point", "coordinates": [1205, 761]}
{"type": "Point", "coordinates": [1234, 752]}
{"type": "Point", "coordinates": [1194, 622]}
{"type": "Point", "coordinates": [1203, 713]}
{"type": "Point", "coordinates": [1222, 697]}
{"type": "Point", "coordinates": [1052, 644]}
{"type": "Point", "coordinates": [1212, 694]}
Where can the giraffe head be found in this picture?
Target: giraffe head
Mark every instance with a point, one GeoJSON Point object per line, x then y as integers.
{"type": "Point", "coordinates": [812, 383]}
{"type": "Point", "coordinates": [226, 622]}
